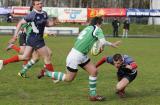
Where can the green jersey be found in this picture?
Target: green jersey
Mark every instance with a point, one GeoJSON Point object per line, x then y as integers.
{"type": "Point", "coordinates": [28, 28]}
{"type": "Point", "coordinates": [87, 38]}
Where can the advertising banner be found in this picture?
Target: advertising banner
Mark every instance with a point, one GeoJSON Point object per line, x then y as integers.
{"type": "Point", "coordinates": [72, 14]}
{"type": "Point", "coordinates": [20, 11]}
{"type": "Point", "coordinates": [137, 12]}
{"type": "Point", "coordinates": [4, 11]}
{"type": "Point", "coordinates": [110, 12]}
{"type": "Point", "coordinates": [143, 12]}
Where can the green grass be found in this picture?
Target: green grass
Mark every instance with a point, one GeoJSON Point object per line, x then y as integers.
{"type": "Point", "coordinates": [144, 90]}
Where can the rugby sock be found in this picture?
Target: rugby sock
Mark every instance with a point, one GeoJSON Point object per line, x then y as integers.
{"type": "Point", "coordinates": [25, 62]}
{"type": "Point", "coordinates": [56, 75]}
{"type": "Point", "coordinates": [49, 67]}
{"type": "Point", "coordinates": [16, 48]}
{"type": "Point", "coordinates": [10, 60]}
{"type": "Point", "coordinates": [101, 61]}
{"type": "Point", "coordinates": [92, 85]}
{"type": "Point", "coordinates": [27, 66]}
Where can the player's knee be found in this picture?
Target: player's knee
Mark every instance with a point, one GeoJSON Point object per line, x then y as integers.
{"type": "Point", "coordinates": [69, 79]}
{"type": "Point", "coordinates": [50, 53]}
{"type": "Point", "coordinates": [25, 58]}
{"type": "Point", "coordinates": [94, 72]}
{"type": "Point", "coordinates": [119, 87]}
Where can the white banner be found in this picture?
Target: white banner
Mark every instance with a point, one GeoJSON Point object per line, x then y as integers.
{"type": "Point", "coordinates": [51, 11]}
{"type": "Point", "coordinates": [72, 14]}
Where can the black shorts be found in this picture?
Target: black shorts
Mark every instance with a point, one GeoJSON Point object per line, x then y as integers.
{"type": "Point", "coordinates": [22, 39]}
{"type": "Point", "coordinates": [130, 76]}
{"type": "Point", "coordinates": [35, 42]}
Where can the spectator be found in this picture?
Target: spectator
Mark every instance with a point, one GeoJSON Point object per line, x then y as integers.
{"type": "Point", "coordinates": [115, 25]}
{"type": "Point", "coordinates": [9, 17]}
{"type": "Point", "coordinates": [125, 28]}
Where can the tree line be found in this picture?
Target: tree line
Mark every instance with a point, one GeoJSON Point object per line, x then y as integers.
{"type": "Point", "coordinates": [83, 3]}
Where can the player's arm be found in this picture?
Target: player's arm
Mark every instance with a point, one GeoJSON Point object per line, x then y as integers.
{"type": "Point", "coordinates": [15, 36]}
{"type": "Point", "coordinates": [103, 43]}
{"type": "Point", "coordinates": [52, 22]}
{"type": "Point", "coordinates": [101, 61]}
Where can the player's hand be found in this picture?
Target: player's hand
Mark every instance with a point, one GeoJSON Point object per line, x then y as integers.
{"type": "Point", "coordinates": [128, 67]}
{"type": "Point", "coordinates": [116, 44]}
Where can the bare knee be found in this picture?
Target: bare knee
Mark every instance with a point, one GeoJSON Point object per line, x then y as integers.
{"type": "Point", "coordinates": [70, 77]}
{"type": "Point", "coordinates": [24, 57]}
{"type": "Point", "coordinates": [94, 72]}
{"type": "Point", "coordinates": [119, 87]}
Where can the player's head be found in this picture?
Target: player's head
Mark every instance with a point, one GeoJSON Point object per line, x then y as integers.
{"type": "Point", "coordinates": [37, 4]}
{"type": "Point", "coordinates": [117, 60]}
{"type": "Point", "coordinates": [96, 21]}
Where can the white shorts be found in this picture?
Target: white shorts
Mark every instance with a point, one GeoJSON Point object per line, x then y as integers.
{"type": "Point", "coordinates": [75, 58]}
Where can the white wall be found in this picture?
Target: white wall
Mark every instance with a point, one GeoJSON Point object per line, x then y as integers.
{"type": "Point", "coordinates": [154, 4]}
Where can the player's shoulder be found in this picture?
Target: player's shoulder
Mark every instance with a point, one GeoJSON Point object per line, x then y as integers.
{"type": "Point", "coordinates": [109, 59]}
{"type": "Point", "coordinates": [126, 56]}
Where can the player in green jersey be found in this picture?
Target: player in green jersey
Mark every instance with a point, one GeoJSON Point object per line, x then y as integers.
{"type": "Point", "coordinates": [78, 57]}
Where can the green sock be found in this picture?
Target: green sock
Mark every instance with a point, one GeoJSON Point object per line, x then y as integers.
{"type": "Point", "coordinates": [92, 85]}
{"type": "Point", "coordinates": [27, 66]}
{"type": "Point", "coordinates": [56, 75]}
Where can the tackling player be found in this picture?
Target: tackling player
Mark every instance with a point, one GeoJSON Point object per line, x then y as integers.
{"type": "Point", "coordinates": [126, 70]}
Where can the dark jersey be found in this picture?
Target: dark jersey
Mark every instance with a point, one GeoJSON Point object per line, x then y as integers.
{"type": "Point", "coordinates": [126, 24]}
{"type": "Point", "coordinates": [127, 60]}
{"type": "Point", "coordinates": [39, 20]}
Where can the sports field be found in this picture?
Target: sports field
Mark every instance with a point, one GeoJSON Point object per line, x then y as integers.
{"type": "Point", "coordinates": [145, 90]}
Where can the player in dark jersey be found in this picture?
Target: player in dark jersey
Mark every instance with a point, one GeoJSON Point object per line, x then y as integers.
{"type": "Point", "coordinates": [126, 70]}
{"type": "Point", "coordinates": [35, 41]}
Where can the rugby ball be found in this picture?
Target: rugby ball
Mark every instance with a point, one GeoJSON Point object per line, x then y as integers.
{"type": "Point", "coordinates": [95, 50]}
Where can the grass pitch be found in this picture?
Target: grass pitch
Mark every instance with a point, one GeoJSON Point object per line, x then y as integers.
{"type": "Point", "coordinates": [144, 90]}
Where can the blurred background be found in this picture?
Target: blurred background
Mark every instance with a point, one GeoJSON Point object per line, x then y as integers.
{"type": "Point", "coordinates": [143, 13]}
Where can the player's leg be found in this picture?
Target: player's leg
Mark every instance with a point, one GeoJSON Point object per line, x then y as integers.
{"type": "Point", "coordinates": [92, 70]}
{"type": "Point", "coordinates": [43, 69]}
{"type": "Point", "coordinates": [43, 52]}
{"type": "Point", "coordinates": [49, 51]}
{"type": "Point", "coordinates": [34, 59]}
{"type": "Point", "coordinates": [26, 55]}
{"type": "Point", "coordinates": [13, 46]}
{"type": "Point", "coordinates": [71, 64]}
{"type": "Point", "coordinates": [126, 33]}
{"type": "Point", "coordinates": [123, 83]}
{"type": "Point", "coordinates": [123, 33]}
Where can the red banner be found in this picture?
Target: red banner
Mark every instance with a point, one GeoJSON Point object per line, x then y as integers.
{"type": "Point", "coordinates": [20, 11]}
{"type": "Point", "coordinates": [92, 12]}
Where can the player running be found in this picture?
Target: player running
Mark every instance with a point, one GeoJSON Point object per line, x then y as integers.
{"type": "Point", "coordinates": [126, 73]}
{"type": "Point", "coordinates": [35, 41]}
{"type": "Point", "coordinates": [78, 57]}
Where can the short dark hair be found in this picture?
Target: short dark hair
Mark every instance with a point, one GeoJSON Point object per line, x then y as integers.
{"type": "Point", "coordinates": [96, 20]}
{"type": "Point", "coordinates": [117, 57]}
{"type": "Point", "coordinates": [33, 2]}
{"type": "Point", "coordinates": [31, 8]}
